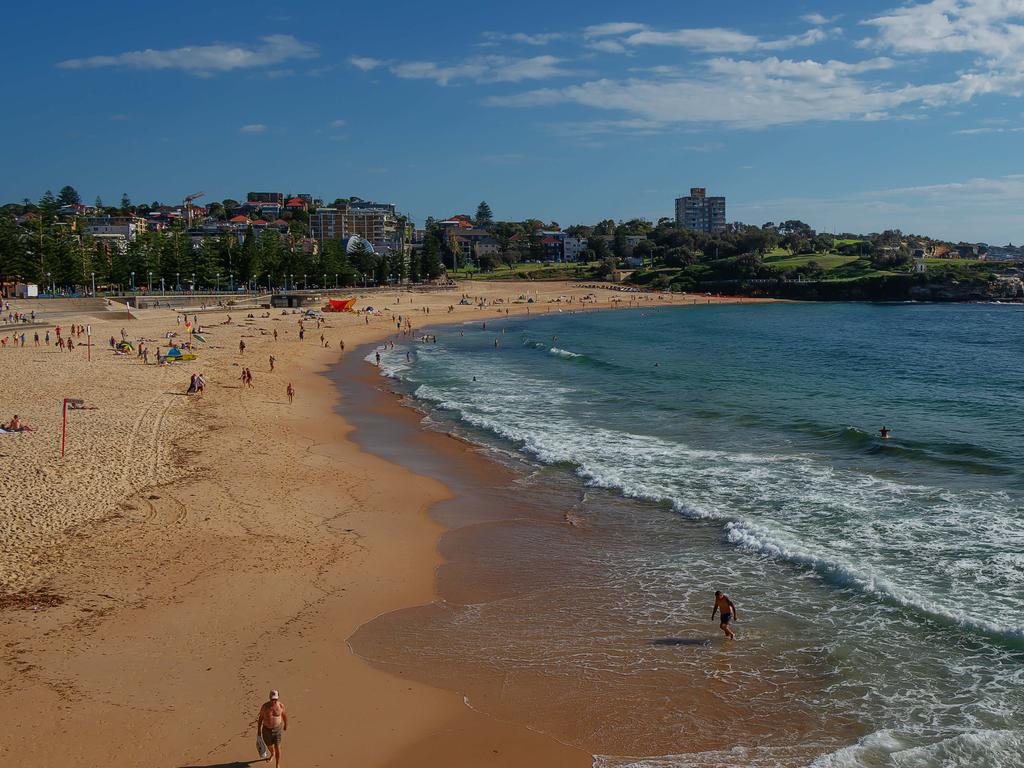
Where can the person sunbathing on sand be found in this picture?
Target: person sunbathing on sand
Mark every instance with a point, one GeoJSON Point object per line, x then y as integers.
{"type": "Point", "coordinates": [17, 425]}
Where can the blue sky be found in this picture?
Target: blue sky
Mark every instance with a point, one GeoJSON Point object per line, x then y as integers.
{"type": "Point", "coordinates": [851, 116]}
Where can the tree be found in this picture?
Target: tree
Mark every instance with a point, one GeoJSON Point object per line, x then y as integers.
{"type": "Point", "coordinates": [606, 267]}
{"type": "Point", "coordinates": [644, 250]}
{"type": "Point", "coordinates": [536, 247]}
{"type": "Point", "coordinates": [488, 262]}
{"type": "Point", "coordinates": [415, 259]}
{"type": "Point", "coordinates": [68, 195]}
{"type": "Point", "coordinates": [364, 259]}
{"type": "Point", "coordinates": [600, 248]}
{"type": "Point", "coordinates": [620, 246]}
{"type": "Point", "coordinates": [484, 217]}
{"type": "Point", "coordinates": [126, 203]}
{"type": "Point", "coordinates": [48, 206]}
{"type": "Point", "coordinates": [680, 256]}
{"type": "Point", "coordinates": [99, 203]}
{"type": "Point", "coordinates": [431, 267]}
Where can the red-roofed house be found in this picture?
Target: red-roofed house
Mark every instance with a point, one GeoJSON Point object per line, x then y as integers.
{"type": "Point", "coordinates": [296, 204]}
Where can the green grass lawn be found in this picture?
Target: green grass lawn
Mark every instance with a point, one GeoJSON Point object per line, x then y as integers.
{"type": "Point", "coordinates": [828, 261]}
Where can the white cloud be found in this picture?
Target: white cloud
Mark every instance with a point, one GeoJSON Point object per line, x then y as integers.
{"type": "Point", "coordinates": [721, 40]}
{"type": "Point", "coordinates": [540, 38]}
{"type": "Point", "coordinates": [607, 46]}
{"type": "Point", "coordinates": [338, 123]}
{"type": "Point", "coordinates": [773, 67]}
{"type": "Point", "coordinates": [203, 59]}
{"type": "Point", "coordinates": [977, 131]}
{"type": "Point", "coordinates": [953, 26]}
{"type": "Point", "coordinates": [817, 19]}
{"type": "Point", "coordinates": [365, 63]}
{"type": "Point", "coordinates": [253, 128]}
{"type": "Point", "coordinates": [613, 28]}
{"type": "Point", "coordinates": [978, 190]}
{"type": "Point", "coordinates": [482, 69]}
{"type": "Point", "coordinates": [751, 94]}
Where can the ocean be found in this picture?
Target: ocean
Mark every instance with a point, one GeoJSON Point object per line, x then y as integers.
{"type": "Point", "coordinates": [879, 583]}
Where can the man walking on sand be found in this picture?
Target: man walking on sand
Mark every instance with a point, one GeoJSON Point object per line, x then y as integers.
{"type": "Point", "coordinates": [728, 609]}
{"type": "Point", "coordinates": [271, 723]}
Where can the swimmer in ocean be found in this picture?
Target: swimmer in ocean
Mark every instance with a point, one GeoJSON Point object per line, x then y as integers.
{"type": "Point", "coordinates": [884, 432]}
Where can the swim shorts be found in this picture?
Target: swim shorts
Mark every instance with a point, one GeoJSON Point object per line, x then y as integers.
{"type": "Point", "coordinates": [272, 736]}
{"type": "Point", "coordinates": [726, 618]}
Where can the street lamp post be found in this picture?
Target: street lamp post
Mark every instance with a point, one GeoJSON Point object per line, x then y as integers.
{"type": "Point", "coordinates": [163, 290]}
{"type": "Point", "coordinates": [324, 283]}
{"type": "Point", "coordinates": [335, 282]}
{"type": "Point", "coordinates": [177, 282]}
{"type": "Point", "coordinates": [218, 282]}
{"type": "Point", "coordinates": [133, 282]}
{"type": "Point", "coordinates": [49, 284]}
{"type": "Point", "coordinates": [305, 285]}
{"type": "Point", "coordinates": [231, 281]}
{"type": "Point", "coordinates": [93, 276]}
{"type": "Point", "coordinates": [150, 281]}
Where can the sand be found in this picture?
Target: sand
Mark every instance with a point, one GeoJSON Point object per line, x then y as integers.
{"type": "Point", "coordinates": [187, 554]}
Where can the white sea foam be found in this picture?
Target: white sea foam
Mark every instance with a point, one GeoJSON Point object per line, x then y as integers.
{"type": "Point", "coordinates": [563, 353]}
{"type": "Point", "coordinates": [973, 749]}
{"type": "Point", "coordinates": [818, 516]}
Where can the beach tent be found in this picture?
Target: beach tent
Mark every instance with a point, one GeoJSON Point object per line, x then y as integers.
{"type": "Point", "coordinates": [340, 305]}
{"type": "Point", "coordinates": [124, 346]}
{"type": "Point", "coordinates": [176, 355]}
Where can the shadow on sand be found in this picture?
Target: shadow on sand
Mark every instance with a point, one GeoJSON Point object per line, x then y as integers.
{"type": "Point", "coordinates": [692, 641]}
{"type": "Point", "coordinates": [236, 764]}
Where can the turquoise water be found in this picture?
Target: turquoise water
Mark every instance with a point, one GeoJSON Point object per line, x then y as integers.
{"type": "Point", "coordinates": [895, 565]}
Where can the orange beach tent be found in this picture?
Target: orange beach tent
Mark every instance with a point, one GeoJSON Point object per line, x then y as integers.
{"type": "Point", "coordinates": [339, 305]}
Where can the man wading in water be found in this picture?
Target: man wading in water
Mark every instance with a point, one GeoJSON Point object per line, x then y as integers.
{"type": "Point", "coordinates": [271, 723]}
{"type": "Point", "coordinates": [728, 609]}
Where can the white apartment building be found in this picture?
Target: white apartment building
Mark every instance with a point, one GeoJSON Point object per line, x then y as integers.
{"type": "Point", "coordinates": [574, 248]}
{"type": "Point", "coordinates": [128, 227]}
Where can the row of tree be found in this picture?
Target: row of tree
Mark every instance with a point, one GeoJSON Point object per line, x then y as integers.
{"type": "Point", "coordinates": [49, 253]}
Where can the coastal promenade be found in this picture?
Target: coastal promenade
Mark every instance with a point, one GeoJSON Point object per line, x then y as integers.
{"type": "Point", "coordinates": [187, 554]}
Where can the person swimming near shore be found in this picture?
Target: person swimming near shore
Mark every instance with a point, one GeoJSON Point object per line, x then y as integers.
{"type": "Point", "coordinates": [884, 432]}
{"type": "Point", "coordinates": [724, 604]}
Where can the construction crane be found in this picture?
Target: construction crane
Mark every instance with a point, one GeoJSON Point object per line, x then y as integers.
{"type": "Point", "coordinates": [188, 207]}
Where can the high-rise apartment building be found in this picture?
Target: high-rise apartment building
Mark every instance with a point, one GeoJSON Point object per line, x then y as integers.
{"type": "Point", "coordinates": [700, 212]}
{"type": "Point", "coordinates": [377, 224]}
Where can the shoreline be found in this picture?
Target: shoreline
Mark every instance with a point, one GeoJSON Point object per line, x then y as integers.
{"type": "Point", "coordinates": [235, 563]}
{"type": "Point", "coordinates": [486, 560]}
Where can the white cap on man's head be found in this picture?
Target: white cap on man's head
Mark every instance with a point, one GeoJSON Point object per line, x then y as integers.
{"type": "Point", "coordinates": [274, 696]}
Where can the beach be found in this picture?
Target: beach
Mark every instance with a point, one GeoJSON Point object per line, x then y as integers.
{"type": "Point", "coordinates": [189, 553]}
